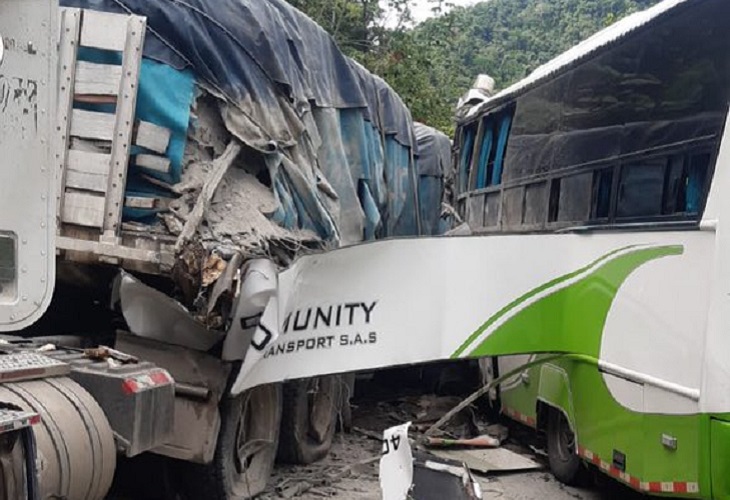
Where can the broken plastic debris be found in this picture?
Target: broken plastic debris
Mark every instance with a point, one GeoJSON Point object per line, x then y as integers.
{"type": "Point", "coordinates": [477, 442]}
{"type": "Point", "coordinates": [396, 464]}
{"type": "Point", "coordinates": [439, 479]}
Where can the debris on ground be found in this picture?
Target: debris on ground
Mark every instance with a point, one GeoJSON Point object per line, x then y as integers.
{"type": "Point", "coordinates": [350, 470]}
{"type": "Point", "coordinates": [104, 353]}
{"type": "Point", "coordinates": [492, 460]}
{"type": "Point", "coordinates": [438, 478]}
{"type": "Point", "coordinates": [477, 442]}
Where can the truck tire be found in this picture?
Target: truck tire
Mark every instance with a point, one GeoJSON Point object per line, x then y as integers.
{"type": "Point", "coordinates": [246, 448]}
{"type": "Point", "coordinates": [309, 418]}
{"type": "Point", "coordinates": [565, 464]}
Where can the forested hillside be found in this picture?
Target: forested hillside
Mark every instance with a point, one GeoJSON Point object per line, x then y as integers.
{"type": "Point", "coordinates": [432, 64]}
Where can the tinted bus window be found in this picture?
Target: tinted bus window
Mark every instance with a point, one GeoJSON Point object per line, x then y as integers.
{"type": "Point", "coordinates": [641, 189]}
{"type": "Point", "coordinates": [665, 88]}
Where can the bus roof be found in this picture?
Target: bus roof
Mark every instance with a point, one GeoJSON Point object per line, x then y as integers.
{"type": "Point", "coordinates": [579, 53]}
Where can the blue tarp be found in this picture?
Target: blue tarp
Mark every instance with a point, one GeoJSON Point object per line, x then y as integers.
{"type": "Point", "coordinates": [434, 163]}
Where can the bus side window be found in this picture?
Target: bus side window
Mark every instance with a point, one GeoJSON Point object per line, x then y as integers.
{"type": "Point", "coordinates": [536, 198]}
{"type": "Point", "coordinates": [484, 154]}
{"type": "Point", "coordinates": [641, 189]}
{"type": "Point", "coordinates": [602, 185]}
{"type": "Point", "coordinates": [699, 164]}
{"type": "Point", "coordinates": [468, 138]}
{"type": "Point", "coordinates": [570, 198]}
{"type": "Point", "coordinates": [496, 128]}
{"type": "Point", "coordinates": [667, 186]}
{"type": "Point", "coordinates": [496, 164]}
{"type": "Point", "coordinates": [675, 188]}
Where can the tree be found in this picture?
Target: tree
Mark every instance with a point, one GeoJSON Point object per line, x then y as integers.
{"type": "Point", "coordinates": [431, 65]}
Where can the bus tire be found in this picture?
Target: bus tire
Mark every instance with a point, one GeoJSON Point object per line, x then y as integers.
{"type": "Point", "coordinates": [309, 418]}
{"type": "Point", "coordinates": [246, 449]}
{"type": "Point", "coordinates": [565, 463]}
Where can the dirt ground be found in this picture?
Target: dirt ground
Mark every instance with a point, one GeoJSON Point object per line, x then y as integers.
{"type": "Point", "coordinates": [360, 482]}
{"type": "Point", "coordinates": [351, 469]}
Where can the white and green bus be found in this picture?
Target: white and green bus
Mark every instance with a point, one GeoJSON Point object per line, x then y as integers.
{"type": "Point", "coordinates": [596, 192]}
{"type": "Point", "coordinates": [611, 165]}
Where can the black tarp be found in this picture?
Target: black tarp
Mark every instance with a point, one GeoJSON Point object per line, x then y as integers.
{"type": "Point", "coordinates": [254, 52]}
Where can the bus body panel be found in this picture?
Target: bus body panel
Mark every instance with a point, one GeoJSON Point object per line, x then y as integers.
{"type": "Point", "coordinates": [608, 139]}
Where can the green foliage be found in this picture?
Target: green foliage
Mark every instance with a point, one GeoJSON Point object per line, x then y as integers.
{"type": "Point", "coordinates": [433, 64]}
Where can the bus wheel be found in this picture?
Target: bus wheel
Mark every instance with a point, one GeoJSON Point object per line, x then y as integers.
{"type": "Point", "coordinates": [565, 464]}
{"type": "Point", "coordinates": [246, 450]}
{"type": "Point", "coordinates": [309, 418]}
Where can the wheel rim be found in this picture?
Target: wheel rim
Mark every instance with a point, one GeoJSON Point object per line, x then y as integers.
{"type": "Point", "coordinates": [566, 440]}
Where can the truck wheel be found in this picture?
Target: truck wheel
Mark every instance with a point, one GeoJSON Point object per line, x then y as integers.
{"type": "Point", "coordinates": [565, 464]}
{"type": "Point", "coordinates": [309, 419]}
{"type": "Point", "coordinates": [246, 449]}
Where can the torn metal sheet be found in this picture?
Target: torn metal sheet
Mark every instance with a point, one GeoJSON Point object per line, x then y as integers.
{"type": "Point", "coordinates": [490, 460]}
{"type": "Point", "coordinates": [152, 314]}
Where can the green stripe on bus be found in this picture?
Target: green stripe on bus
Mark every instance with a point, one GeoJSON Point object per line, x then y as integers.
{"type": "Point", "coordinates": [570, 319]}
{"type": "Point", "coordinates": [520, 300]}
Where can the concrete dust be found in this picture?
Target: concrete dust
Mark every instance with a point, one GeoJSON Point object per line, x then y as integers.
{"type": "Point", "coordinates": [239, 216]}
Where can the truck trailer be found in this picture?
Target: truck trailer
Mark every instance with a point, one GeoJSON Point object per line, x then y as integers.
{"type": "Point", "coordinates": [160, 166]}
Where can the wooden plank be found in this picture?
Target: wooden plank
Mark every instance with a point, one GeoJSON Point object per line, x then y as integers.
{"type": "Point", "coordinates": [90, 145]}
{"type": "Point", "coordinates": [95, 99]}
{"type": "Point", "coordinates": [153, 162]}
{"type": "Point", "coordinates": [70, 26]}
{"type": "Point", "coordinates": [87, 181]}
{"type": "Point", "coordinates": [131, 64]}
{"type": "Point", "coordinates": [147, 203]}
{"type": "Point", "coordinates": [103, 30]}
{"type": "Point", "coordinates": [83, 209]}
{"type": "Point", "coordinates": [92, 125]}
{"type": "Point", "coordinates": [152, 137]}
{"type": "Point", "coordinates": [117, 251]}
{"type": "Point", "coordinates": [91, 163]}
{"type": "Point", "coordinates": [139, 202]}
{"type": "Point", "coordinates": [97, 79]}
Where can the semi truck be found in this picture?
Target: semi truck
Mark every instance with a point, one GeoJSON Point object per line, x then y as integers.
{"type": "Point", "coordinates": [159, 167]}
